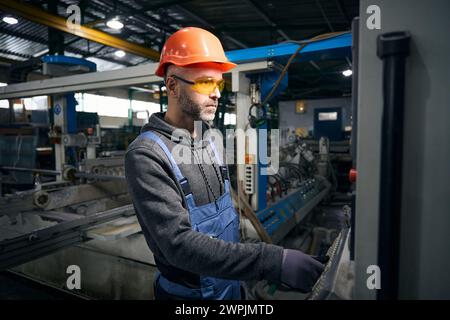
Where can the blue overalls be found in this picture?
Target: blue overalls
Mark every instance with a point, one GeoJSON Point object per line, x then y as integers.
{"type": "Point", "coordinates": [217, 219]}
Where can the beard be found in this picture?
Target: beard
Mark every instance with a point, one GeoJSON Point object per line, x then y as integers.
{"type": "Point", "coordinates": [195, 110]}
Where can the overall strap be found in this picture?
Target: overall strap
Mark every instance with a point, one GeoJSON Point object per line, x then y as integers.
{"type": "Point", "coordinates": [223, 167]}
{"type": "Point", "coordinates": [176, 170]}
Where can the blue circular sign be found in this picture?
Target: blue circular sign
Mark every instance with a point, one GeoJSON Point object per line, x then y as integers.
{"type": "Point", "coordinates": [57, 109]}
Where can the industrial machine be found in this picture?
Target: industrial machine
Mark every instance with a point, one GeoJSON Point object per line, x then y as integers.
{"type": "Point", "coordinates": [395, 244]}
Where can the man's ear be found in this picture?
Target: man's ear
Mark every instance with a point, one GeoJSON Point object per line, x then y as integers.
{"type": "Point", "coordinates": [171, 86]}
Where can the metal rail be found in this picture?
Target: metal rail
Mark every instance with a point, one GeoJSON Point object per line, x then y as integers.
{"type": "Point", "coordinates": [42, 242]}
{"type": "Point", "coordinates": [97, 176]}
{"type": "Point", "coordinates": [40, 171]}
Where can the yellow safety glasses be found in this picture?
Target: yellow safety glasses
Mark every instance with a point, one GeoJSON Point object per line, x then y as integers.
{"type": "Point", "coordinates": [204, 85]}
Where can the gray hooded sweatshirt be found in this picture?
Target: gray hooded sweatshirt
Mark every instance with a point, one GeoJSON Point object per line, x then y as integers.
{"type": "Point", "coordinates": [182, 254]}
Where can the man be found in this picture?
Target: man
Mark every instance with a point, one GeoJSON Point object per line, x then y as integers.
{"type": "Point", "coordinates": [185, 209]}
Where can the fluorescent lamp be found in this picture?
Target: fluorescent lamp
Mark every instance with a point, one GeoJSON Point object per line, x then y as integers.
{"type": "Point", "coordinates": [347, 73]}
{"type": "Point", "coordinates": [120, 53]}
{"type": "Point", "coordinates": [114, 24]}
{"type": "Point", "coordinates": [10, 20]}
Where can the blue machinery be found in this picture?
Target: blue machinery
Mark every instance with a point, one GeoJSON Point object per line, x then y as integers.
{"type": "Point", "coordinates": [68, 62]}
{"type": "Point", "coordinates": [336, 47]}
{"type": "Point", "coordinates": [279, 218]}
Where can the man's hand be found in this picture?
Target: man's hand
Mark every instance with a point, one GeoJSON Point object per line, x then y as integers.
{"type": "Point", "coordinates": [300, 271]}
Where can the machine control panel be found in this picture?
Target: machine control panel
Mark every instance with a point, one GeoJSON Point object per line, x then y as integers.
{"type": "Point", "coordinates": [327, 285]}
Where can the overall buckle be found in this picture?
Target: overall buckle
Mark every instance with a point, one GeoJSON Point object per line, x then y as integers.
{"type": "Point", "coordinates": [224, 172]}
{"type": "Point", "coordinates": [185, 186]}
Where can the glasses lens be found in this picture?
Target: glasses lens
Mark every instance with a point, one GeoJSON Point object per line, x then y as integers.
{"type": "Point", "coordinates": [208, 85]}
{"type": "Point", "coordinates": [221, 85]}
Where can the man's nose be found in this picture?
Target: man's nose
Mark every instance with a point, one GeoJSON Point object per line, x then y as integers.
{"type": "Point", "coordinates": [215, 94]}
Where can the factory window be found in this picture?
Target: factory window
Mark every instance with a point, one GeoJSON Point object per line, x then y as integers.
{"type": "Point", "coordinates": [142, 115]}
{"type": "Point", "coordinates": [104, 106]}
{"type": "Point", "coordinates": [328, 116]}
{"type": "Point", "coordinates": [18, 107]}
{"type": "Point", "coordinates": [144, 109]}
{"type": "Point", "coordinates": [36, 103]}
{"type": "Point", "coordinates": [112, 106]}
{"type": "Point", "coordinates": [230, 118]}
{"type": "Point", "coordinates": [4, 104]}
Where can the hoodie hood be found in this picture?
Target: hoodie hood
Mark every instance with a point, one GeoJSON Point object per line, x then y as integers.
{"type": "Point", "coordinates": [157, 123]}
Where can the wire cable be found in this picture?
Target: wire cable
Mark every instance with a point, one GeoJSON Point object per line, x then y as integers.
{"type": "Point", "coordinates": [302, 44]}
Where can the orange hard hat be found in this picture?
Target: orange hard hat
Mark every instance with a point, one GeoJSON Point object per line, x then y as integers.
{"type": "Point", "coordinates": [190, 46]}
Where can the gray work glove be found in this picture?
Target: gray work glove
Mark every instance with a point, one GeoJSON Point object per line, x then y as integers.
{"type": "Point", "coordinates": [300, 271]}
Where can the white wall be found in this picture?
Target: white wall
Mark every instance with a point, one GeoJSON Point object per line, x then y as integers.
{"type": "Point", "coordinates": [292, 120]}
{"type": "Point", "coordinates": [117, 122]}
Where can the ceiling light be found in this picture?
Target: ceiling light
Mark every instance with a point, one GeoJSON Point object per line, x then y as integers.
{"type": "Point", "coordinates": [10, 20]}
{"type": "Point", "coordinates": [114, 24]}
{"type": "Point", "coordinates": [2, 84]}
{"type": "Point", "coordinates": [120, 53]}
{"type": "Point", "coordinates": [347, 73]}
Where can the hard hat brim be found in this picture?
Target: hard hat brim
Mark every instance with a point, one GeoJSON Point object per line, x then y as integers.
{"type": "Point", "coordinates": [223, 66]}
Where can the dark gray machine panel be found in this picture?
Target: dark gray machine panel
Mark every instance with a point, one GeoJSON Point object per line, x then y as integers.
{"type": "Point", "coordinates": [330, 285]}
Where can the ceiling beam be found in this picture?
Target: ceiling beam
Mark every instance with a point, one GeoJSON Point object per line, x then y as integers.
{"type": "Point", "coordinates": [315, 65]}
{"type": "Point", "coordinates": [141, 20]}
{"type": "Point", "coordinates": [75, 39]}
{"type": "Point", "coordinates": [40, 16]}
{"type": "Point", "coordinates": [6, 62]}
{"type": "Point", "coordinates": [303, 27]}
{"type": "Point", "coordinates": [265, 17]}
{"type": "Point", "coordinates": [324, 15]}
{"type": "Point", "coordinates": [154, 7]}
{"type": "Point", "coordinates": [102, 18]}
{"type": "Point", "coordinates": [43, 41]}
{"type": "Point", "coordinates": [141, 17]}
{"type": "Point", "coordinates": [176, 6]}
{"type": "Point", "coordinates": [208, 25]}
{"type": "Point", "coordinates": [344, 13]}
{"type": "Point", "coordinates": [21, 55]}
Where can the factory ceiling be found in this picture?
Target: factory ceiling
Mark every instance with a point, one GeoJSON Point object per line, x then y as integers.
{"type": "Point", "coordinates": [238, 23]}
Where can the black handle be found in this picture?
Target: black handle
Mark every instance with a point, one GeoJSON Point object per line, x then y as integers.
{"type": "Point", "coordinates": [392, 48]}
